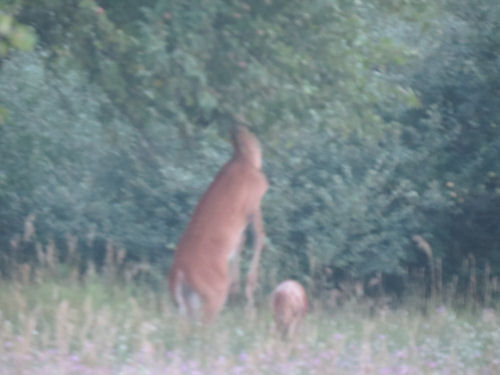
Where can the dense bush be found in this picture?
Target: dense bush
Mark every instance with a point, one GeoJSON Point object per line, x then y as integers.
{"type": "Point", "coordinates": [456, 132]}
{"type": "Point", "coordinates": [78, 170]}
{"type": "Point", "coordinates": [378, 121]}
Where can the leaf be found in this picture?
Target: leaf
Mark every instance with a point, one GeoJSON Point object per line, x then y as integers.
{"type": "Point", "coordinates": [207, 101]}
{"type": "Point", "coordinates": [23, 38]}
{"type": "Point", "coordinates": [5, 24]}
{"type": "Point", "coordinates": [3, 115]}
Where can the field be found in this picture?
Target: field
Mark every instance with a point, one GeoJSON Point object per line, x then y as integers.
{"type": "Point", "coordinates": [99, 326]}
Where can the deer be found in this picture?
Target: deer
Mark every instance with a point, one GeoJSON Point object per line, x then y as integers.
{"type": "Point", "coordinates": [289, 305]}
{"type": "Point", "coordinates": [207, 254]}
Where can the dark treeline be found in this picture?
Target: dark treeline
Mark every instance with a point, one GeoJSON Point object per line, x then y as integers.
{"type": "Point", "coordinates": [379, 122]}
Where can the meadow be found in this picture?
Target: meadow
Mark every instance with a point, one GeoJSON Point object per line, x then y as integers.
{"type": "Point", "coordinates": [54, 323]}
{"type": "Point", "coordinates": [379, 123]}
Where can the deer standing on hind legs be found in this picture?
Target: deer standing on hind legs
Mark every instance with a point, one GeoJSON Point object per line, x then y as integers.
{"type": "Point", "coordinates": [289, 305]}
{"type": "Point", "coordinates": [200, 272]}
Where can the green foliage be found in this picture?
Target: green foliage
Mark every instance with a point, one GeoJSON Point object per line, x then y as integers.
{"type": "Point", "coordinates": [378, 120]}
{"type": "Point", "coordinates": [456, 131]}
{"type": "Point", "coordinates": [285, 63]}
{"type": "Point", "coordinates": [14, 36]}
{"type": "Point", "coordinates": [341, 204]}
{"type": "Point", "coordinates": [82, 175]}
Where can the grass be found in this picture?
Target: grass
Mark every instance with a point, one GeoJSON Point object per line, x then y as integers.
{"type": "Point", "coordinates": [61, 326]}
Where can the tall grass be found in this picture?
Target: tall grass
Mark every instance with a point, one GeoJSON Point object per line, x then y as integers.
{"type": "Point", "coordinates": [55, 320]}
{"type": "Point", "coordinates": [57, 325]}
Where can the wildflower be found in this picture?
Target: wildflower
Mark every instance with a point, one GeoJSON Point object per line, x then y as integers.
{"type": "Point", "coordinates": [441, 310]}
{"type": "Point", "coordinates": [403, 370]}
{"type": "Point", "coordinates": [338, 336]}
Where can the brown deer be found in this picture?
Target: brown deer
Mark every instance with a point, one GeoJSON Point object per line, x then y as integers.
{"type": "Point", "coordinates": [289, 305]}
{"type": "Point", "coordinates": [203, 267]}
